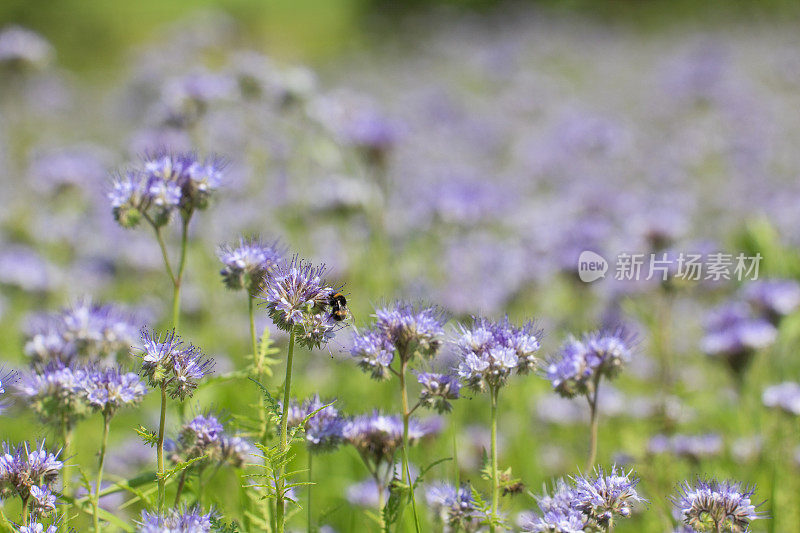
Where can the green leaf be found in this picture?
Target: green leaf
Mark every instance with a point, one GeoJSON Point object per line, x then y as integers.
{"type": "Point", "coordinates": [179, 467]}
{"type": "Point", "coordinates": [272, 403]}
{"type": "Point", "coordinates": [398, 492]}
{"type": "Point", "coordinates": [221, 527]}
{"type": "Point", "coordinates": [148, 436]}
{"type": "Point", "coordinates": [428, 469]}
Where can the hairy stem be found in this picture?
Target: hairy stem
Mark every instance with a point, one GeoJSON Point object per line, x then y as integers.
{"type": "Point", "coordinates": [406, 416]}
{"type": "Point", "coordinates": [308, 504]}
{"type": "Point", "coordinates": [495, 480]}
{"type": "Point", "coordinates": [280, 504]}
{"type": "Point", "coordinates": [99, 480]}
{"type": "Point", "coordinates": [160, 448]}
{"type": "Point", "coordinates": [178, 278]}
{"type": "Point", "coordinates": [66, 439]}
{"type": "Point", "coordinates": [181, 484]}
{"type": "Point", "coordinates": [593, 407]}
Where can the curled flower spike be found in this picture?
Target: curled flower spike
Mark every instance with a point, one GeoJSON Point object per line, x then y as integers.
{"type": "Point", "coordinates": [167, 361]}
{"type": "Point", "coordinates": [490, 351]}
{"type": "Point", "coordinates": [603, 496]}
{"type": "Point", "coordinates": [411, 330]}
{"type": "Point", "coordinates": [84, 330]}
{"type": "Point", "coordinates": [248, 263]}
{"type": "Point", "coordinates": [205, 435]}
{"type": "Point", "coordinates": [323, 430]}
{"type": "Point", "coordinates": [56, 393]}
{"type": "Point", "coordinates": [43, 500]}
{"type": "Point", "coordinates": [183, 520]}
{"type": "Point", "coordinates": [374, 354]}
{"type": "Point", "coordinates": [579, 364]}
{"type": "Point", "coordinates": [109, 389]}
{"type": "Point", "coordinates": [437, 390]}
{"type": "Point", "coordinates": [733, 335]}
{"type": "Point", "coordinates": [712, 505]}
{"type": "Point", "coordinates": [455, 508]}
{"type": "Point", "coordinates": [38, 527]}
{"type": "Point", "coordinates": [22, 468]}
{"type": "Point", "coordinates": [377, 437]}
{"type": "Point", "coordinates": [6, 379]}
{"type": "Point", "coordinates": [297, 299]}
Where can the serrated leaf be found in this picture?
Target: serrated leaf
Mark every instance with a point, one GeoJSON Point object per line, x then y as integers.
{"type": "Point", "coordinates": [180, 467]}
{"type": "Point", "coordinates": [428, 468]}
{"type": "Point", "coordinates": [272, 403]}
{"type": "Point", "coordinates": [398, 492]}
{"type": "Point", "coordinates": [149, 437]}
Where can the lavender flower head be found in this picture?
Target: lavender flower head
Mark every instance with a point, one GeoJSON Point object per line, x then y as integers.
{"type": "Point", "coordinates": [454, 508]}
{"type": "Point", "coordinates": [6, 379]}
{"type": "Point", "coordinates": [785, 396]}
{"type": "Point", "coordinates": [733, 334]}
{"type": "Point", "coordinates": [84, 330]}
{"type": "Point", "coordinates": [168, 362]}
{"type": "Point", "coordinates": [437, 390]}
{"type": "Point", "coordinates": [38, 527]}
{"type": "Point", "coordinates": [692, 447]}
{"type": "Point", "coordinates": [248, 263]}
{"type": "Point", "coordinates": [711, 505]}
{"type": "Point", "coordinates": [490, 351]}
{"type": "Point", "coordinates": [109, 389]}
{"type": "Point", "coordinates": [603, 496]}
{"type": "Point", "coordinates": [162, 184]}
{"type": "Point", "coordinates": [21, 48]}
{"type": "Point", "coordinates": [775, 298]}
{"type": "Point", "coordinates": [579, 364]}
{"type": "Point", "coordinates": [298, 300]}
{"type": "Point", "coordinates": [23, 467]}
{"type": "Point", "coordinates": [56, 393]}
{"type": "Point", "coordinates": [377, 437]}
{"type": "Point", "coordinates": [205, 435]}
{"type": "Point", "coordinates": [184, 520]}
{"type": "Point", "coordinates": [557, 513]}
{"type": "Point", "coordinates": [323, 429]}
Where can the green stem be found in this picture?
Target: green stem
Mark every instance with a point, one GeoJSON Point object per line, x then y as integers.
{"type": "Point", "coordinates": [99, 481]}
{"type": "Point", "coordinates": [406, 417]}
{"type": "Point", "coordinates": [200, 486]}
{"type": "Point", "coordinates": [280, 504]}
{"type": "Point", "coordinates": [495, 481]}
{"type": "Point", "coordinates": [160, 448]}
{"type": "Point", "coordinates": [178, 279]}
{"type": "Point", "coordinates": [66, 436]}
{"type": "Point", "coordinates": [164, 255]}
{"type": "Point", "coordinates": [181, 483]}
{"type": "Point", "coordinates": [593, 430]}
{"type": "Point", "coordinates": [25, 511]}
{"type": "Point", "coordinates": [258, 367]}
{"type": "Point", "coordinates": [253, 341]}
{"type": "Point", "coordinates": [310, 462]}
{"type": "Point", "coordinates": [381, 503]}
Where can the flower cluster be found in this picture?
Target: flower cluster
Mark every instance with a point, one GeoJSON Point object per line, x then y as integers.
{"type": "Point", "coordinates": [773, 298]}
{"type": "Point", "coordinates": [438, 390]}
{"type": "Point", "coordinates": [56, 393]}
{"type": "Point", "coordinates": [712, 505]}
{"type": "Point", "coordinates": [109, 389]}
{"type": "Point", "coordinates": [205, 435]}
{"type": "Point", "coordinates": [29, 472]}
{"type": "Point", "coordinates": [168, 362]}
{"type": "Point", "coordinates": [580, 363]}
{"type": "Point", "coordinates": [298, 300]}
{"type": "Point", "coordinates": [21, 48]}
{"type": "Point", "coordinates": [6, 379]}
{"type": "Point", "coordinates": [785, 396]}
{"type": "Point", "coordinates": [248, 263]}
{"type": "Point", "coordinates": [83, 330]}
{"type": "Point", "coordinates": [734, 333]}
{"type": "Point", "coordinates": [400, 329]}
{"type": "Point", "coordinates": [184, 520]}
{"type": "Point", "coordinates": [377, 437]}
{"type": "Point", "coordinates": [591, 503]}
{"type": "Point", "coordinates": [322, 423]}
{"type": "Point", "coordinates": [454, 507]}
{"type": "Point", "coordinates": [692, 447]}
{"type": "Point", "coordinates": [490, 351]}
{"type": "Point", "coordinates": [163, 184]}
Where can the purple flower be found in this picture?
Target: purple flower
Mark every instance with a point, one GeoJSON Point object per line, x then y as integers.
{"type": "Point", "coordinates": [775, 298]}
{"type": "Point", "coordinates": [374, 353]}
{"type": "Point", "coordinates": [298, 300]}
{"type": "Point", "coordinates": [558, 513]}
{"type": "Point", "coordinates": [205, 435]}
{"type": "Point", "coordinates": [455, 508]}
{"type": "Point", "coordinates": [490, 351]}
{"type": "Point", "coordinates": [183, 520]}
{"type": "Point", "coordinates": [580, 363]}
{"type": "Point", "coordinates": [56, 393]}
{"type": "Point", "coordinates": [411, 330]}
{"type": "Point", "coordinates": [718, 505]}
{"type": "Point", "coordinates": [322, 423]}
{"type": "Point", "coordinates": [734, 335]}
{"type": "Point", "coordinates": [21, 48]}
{"type": "Point", "coordinates": [84, 330]}
{"type": "Point", "coordinates": [22, 468]}
{"type": "Point", "coordinates": [42, 499]}
{"type": "Point", "coordinates": [377, 437]}
{"type": "Point", "coordinates": [109, 389]}
{"type": "Point", "coordinates": [38, 527]}
{"type": "Point", "coordinates": [437, 389]}
{"type": "Point", "coordinates": [785, 396]}
{"type": "Point", "coordinates": [693, 447]}
{"type": "Point", "coordinates": [248, 263]}
{"type": "Point", "coordinates": [604, 495]}
{"type": "Point", "coordinates": [167, 362]}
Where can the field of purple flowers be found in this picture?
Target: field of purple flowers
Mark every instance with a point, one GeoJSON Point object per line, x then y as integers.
{"type": "Point", "coordinates": [238, 295]}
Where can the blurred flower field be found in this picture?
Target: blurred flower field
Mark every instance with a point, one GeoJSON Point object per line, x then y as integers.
{"type": "Point", "coordinates": [390, 246]}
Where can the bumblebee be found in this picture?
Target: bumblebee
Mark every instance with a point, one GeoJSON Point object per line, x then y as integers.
{"type": "Point", "coordinates": [338, 305]}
